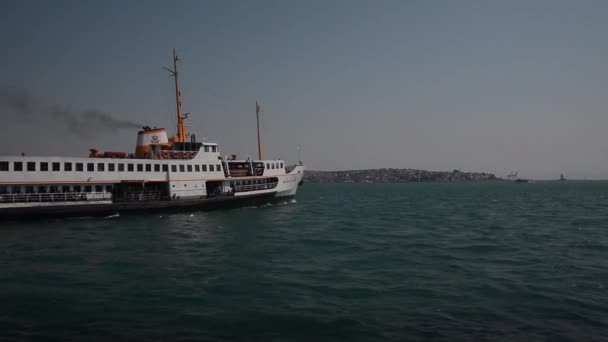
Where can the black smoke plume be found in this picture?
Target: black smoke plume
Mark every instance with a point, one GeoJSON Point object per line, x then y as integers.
{"type": "Point", "coordinates": [23, 106]}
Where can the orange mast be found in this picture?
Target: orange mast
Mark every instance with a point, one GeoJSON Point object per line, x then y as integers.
{"type": "Point", "coordinates": [181, 127]}
{"type": "Point", "coordinates": [257, 115]}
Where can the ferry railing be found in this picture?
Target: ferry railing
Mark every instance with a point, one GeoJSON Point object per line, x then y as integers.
{"type": "Point", "coordinates": [255, 187]}
{"type": "Point", "coordinates": [139, 196]}
{"type": "Point", "coordinates": [289, 168]}
{"type": "Point", "coordinates": [54, 197]}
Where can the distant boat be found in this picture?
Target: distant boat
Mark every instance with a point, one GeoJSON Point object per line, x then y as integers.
{"type": "Point", "coordinates": [561, 177]}
{"type": "Point", "coordinates": [513, 177]}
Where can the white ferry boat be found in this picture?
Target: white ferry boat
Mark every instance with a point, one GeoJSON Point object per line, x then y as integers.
{"type": "Point", "coordinates": [163, 173]}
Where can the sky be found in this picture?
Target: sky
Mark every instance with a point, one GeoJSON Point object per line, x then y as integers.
{"type": "Point", "coordinates": [486, 86]}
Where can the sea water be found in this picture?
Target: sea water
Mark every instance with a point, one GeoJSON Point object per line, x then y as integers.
{"type": "Point", "coordinates": [407, 261]}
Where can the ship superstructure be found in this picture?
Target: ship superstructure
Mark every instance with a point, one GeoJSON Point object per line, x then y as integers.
{"type": "Point", "coordinates": [162, 173]}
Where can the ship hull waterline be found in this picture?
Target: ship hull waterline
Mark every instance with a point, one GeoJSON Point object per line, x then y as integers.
{"type": "Point", "coordinates": [143, 207]}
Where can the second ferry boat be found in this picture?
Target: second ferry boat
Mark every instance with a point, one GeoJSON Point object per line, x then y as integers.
{"type": "Point", "coordinates": [163, 173]}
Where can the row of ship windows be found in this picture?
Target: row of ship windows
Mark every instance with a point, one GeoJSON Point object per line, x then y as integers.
{"type": "Point", "coordinates": [111, 167]}
{"type": "Point", "coordinates": [274, 165]}
{"type": "Point", "coordinates": [254, 181]}
{"type": "Point", "coordinates": [245, 165]}
{"type": "Point", "coordinates": [52, 189]}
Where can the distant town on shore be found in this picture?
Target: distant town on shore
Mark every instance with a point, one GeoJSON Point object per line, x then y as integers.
{"type": "Point", "coordinates": [395, 175]}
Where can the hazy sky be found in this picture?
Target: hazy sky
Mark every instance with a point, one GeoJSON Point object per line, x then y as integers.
{"type": "Point", "coordinates": [483, 85]}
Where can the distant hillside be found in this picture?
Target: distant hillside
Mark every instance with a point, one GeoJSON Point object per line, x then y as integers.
{"type": "Point", "coordinates": [394, 175]}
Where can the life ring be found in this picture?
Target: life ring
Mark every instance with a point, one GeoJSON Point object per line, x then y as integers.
{"type": "Point", "coordinates": [146, 155]}
{"type": "Point", "coordinates": [175, 155]}
{"type": "Point", "coordinates": [165, 155]}
{"type": "Point", "coordinates": [192, 155]}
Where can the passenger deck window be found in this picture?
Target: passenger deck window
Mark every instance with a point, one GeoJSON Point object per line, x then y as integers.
{"type": "Point", "coordinates": [165, 168]}
{"type": "Point", "coordinates": [17, 166]}
{"type": "Point", "coordinates": [56, 166]}
{"type": "Point", "coordinates": [111, 167]}
{"type": "Point", "coordinates": [206, 148]}
{"type": "Point", "coordinates": [189, 168]}
{"type": "Point", "coordinates": [173, 168]}
{"type": "Point", "coordinates": [213, 148]}
{"type": "Point", "coordinates": [204, 167]}
{"type": "Point", "coordinates": [44, 166]}
{"type": "Point", "coordinates": [77, 188]}
{"type": "Point", "coordinates": [140, 167]}
{"type": "Point", "coordinates": [101, 167]}
{"type": "Point", "coordinates": [181, 168]}
{"type": "Point", "coordinates": [130, 167]}
{"type": "Point", "coordinates": [88, 188]}
{"type": "Point", "coordinates": [121, 167]}
{"type": "Point", "coordinates": [4, 166]}
{"type": "Point", "coordinates": [156, 167]}
{"type": "Point", "coordinates": [90, 167]}
{"type": "Point", "coordinates": [65, 188]}
{"type": "Point", "coordinates": [79, 167]}
{"type": "Point", "coordinates": [218, 167]}
{"type": "Point", "coordinates": [211, 168]}
{"type": "Point", "coordinates": [148, 167]}
{"type": "Point", "coordinates": [67, 167]}
{"type": "Point", "coordinates": [197, 168]}
{"type": "Point", "coordinates": [31, 166]}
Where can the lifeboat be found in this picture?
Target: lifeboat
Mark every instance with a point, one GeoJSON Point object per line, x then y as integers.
{"type": "Point", "coordinates": [120, 155]}
{"type": "Point", "coordinates": [239, 172]}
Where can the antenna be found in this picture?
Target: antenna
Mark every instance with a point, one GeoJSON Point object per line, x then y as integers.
{"type": "Point", "coordinates": [299, 154]}
{"type": "Point", "coordinates": [181, 129]}
{"type": "Point", "coordinates": [257, 116]}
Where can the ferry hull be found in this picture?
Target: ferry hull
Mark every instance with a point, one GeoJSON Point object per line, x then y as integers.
{"type": "Point", "coordinates": [154, 207]}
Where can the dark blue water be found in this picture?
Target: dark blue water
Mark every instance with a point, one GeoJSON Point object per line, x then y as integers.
{"type": "Point", "coordinates": [421, 261]}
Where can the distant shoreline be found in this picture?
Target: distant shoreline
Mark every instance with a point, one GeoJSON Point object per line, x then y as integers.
{"type": "Point", "coordinates": [396, 175]}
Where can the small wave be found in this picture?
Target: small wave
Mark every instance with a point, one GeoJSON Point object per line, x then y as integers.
{"type": "Point", "coordinates": [81, 218]}
{"type": "Point", "coordinates": [112, 216]}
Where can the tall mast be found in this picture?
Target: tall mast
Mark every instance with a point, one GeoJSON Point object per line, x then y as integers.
{"type": "Point", "coordinates": [181, 128]}
{"type": "Point", "coordinates": [257, 116]}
